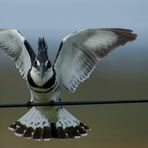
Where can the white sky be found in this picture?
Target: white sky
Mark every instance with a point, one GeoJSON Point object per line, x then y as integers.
{"type": "Point", "coordinates": [70, 15]}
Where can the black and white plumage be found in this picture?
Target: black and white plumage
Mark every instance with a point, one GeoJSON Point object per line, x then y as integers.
{"type": "Point", "coordinates": [77, 57]}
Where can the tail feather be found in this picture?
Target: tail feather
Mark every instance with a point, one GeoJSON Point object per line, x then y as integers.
{"type": "Point", "coordinates": [29, 132]}
{"type": "Point", "coordinates": [35, 125]}
{"type": "Point", "coordinates": [46, 133]}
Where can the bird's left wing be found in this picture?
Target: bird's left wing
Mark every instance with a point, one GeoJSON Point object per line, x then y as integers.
{"type": "Point", "coordinates": [80, 51]}
{"type": "Point", "coordinates": [18, 49]}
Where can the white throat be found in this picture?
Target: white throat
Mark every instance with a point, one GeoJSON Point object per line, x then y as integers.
{"type": "Point", "coordinates": [36, 76]}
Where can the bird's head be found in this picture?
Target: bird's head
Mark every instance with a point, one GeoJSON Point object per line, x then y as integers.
{"type": "Point", "coordinates": [42, 63]}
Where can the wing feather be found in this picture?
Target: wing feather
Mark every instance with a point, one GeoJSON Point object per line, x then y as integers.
{"type": "Point", "coordinates": [18, 49]}
{"type": "Point", "coordinates": [79, 53]}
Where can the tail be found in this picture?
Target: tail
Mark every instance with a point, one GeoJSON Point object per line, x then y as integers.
{"type": "Point", "coordinates": [41, 124]}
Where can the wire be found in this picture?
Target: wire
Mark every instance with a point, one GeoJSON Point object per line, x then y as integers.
{"type": "Point", "coordinates": [73, 103]}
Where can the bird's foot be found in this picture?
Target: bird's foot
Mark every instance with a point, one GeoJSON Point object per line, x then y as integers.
{"type": "Point", "coordinates": [29, 104]}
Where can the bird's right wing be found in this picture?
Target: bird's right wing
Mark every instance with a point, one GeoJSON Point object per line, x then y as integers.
{"type": "Point", "coordinates": [18, 49]}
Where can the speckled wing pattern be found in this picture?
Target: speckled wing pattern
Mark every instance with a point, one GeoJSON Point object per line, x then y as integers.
{"type": "Point", "coordinates": [79, 52]}
{"type": "Point", "coordinates": [18, 49]}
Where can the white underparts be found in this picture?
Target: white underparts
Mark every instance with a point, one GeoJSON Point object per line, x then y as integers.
{"type": "Point", "coordinates": [37, 78]}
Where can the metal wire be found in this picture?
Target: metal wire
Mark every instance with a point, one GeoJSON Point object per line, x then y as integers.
{"type": "Point", "coordinates": [74, 103]}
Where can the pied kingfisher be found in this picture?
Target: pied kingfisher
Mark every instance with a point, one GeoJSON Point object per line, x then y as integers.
{"type": "Point", "coordinates": [77, 57]}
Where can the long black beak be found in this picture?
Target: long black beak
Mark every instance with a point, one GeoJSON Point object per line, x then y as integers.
{"type": "Point", "coordinates": [42, 70]}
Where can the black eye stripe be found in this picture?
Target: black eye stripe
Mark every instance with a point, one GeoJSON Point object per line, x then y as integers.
{"type": "Point", "coordinates": [48, 64]}
{"type": "Point", "coordinates": [35, 63]}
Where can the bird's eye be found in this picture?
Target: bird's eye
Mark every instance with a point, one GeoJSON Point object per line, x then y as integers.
{"type": "Point", "coordinates": [48, 64]}
{"type": "Point", "coordinates": [36, 63]}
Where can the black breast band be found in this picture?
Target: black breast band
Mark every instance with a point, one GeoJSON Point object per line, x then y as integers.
{"type": "Point", "coordinates": [48, 84]}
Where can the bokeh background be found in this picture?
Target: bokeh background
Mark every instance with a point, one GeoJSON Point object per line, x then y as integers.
{"type": "Point", "coordinates": [122, 74]}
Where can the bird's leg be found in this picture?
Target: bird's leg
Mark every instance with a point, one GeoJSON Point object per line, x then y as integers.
{"type": "Point", "coordinates": [29, 104]}
{"type": "Point", "coordinates": [56, 97]}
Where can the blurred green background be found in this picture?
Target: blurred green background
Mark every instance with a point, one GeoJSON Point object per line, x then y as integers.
{"type": "Point", "coordinates": [122, 74]}
{"type": "Point", "coordinates": [116, 126]}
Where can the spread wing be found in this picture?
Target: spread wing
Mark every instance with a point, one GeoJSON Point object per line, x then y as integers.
{"type": "Point", "coordinates": [80, 51]}
{"type": "Point", "coordinates": [18, 49]}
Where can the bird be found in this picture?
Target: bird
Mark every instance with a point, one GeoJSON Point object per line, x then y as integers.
{"type": "Point", "coordinates": [76, 59]}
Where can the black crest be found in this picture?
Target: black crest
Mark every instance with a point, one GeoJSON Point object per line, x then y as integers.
{"type": "Point", "coordinates": [42, 55]}
{"type": "Point", "coordinates": [42, 44]}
